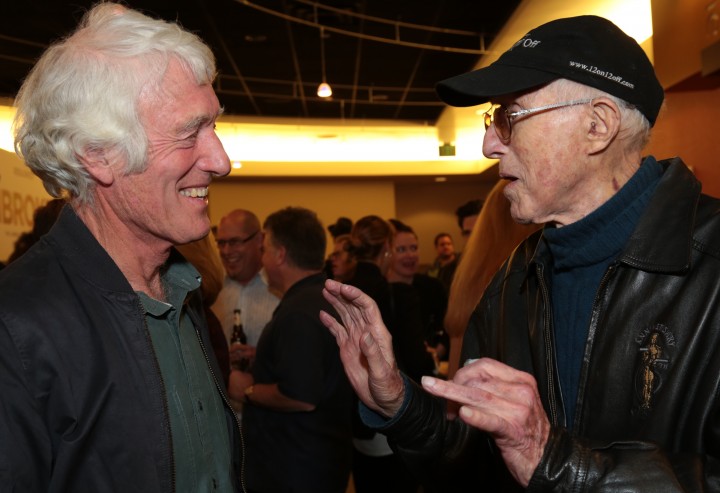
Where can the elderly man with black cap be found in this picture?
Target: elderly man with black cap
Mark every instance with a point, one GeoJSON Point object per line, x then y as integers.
{"type": "Point", "coordinates": [591, 362]}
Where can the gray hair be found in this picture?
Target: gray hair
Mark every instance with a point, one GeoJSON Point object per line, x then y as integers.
{"type": "Point", "coordinates": [634, 126]}
{"type": "Point", "coordinates": [82, 94]}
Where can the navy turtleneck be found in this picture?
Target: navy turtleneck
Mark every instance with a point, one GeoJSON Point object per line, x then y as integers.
{"type": "Point", "coordinates": [581, 253]}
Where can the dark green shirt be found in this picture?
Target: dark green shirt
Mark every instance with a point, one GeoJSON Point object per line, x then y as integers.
{"type": "Point", "coordinates": [201, 445]}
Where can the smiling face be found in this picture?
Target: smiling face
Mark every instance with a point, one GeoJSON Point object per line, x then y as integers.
{"type": "Point", "coordinates": [167, 203]}
{"type": "Point", "coordinates": [240, 245]}
{"type": "Point", "coordinates": [545, 162]}
{"type": "Point", "coordinates": [405, 257]}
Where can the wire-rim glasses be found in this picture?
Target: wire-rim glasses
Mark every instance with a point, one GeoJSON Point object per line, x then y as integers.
{"type": "Point", "coordinates": [235, 241]}
{"type": "Point", "coordinates": [502, 118]}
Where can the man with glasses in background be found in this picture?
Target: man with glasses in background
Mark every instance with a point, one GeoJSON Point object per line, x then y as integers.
{"type": "Point", "coordinates": [591, 362]}
{"type": "Point", "coordinates": [239, 239]}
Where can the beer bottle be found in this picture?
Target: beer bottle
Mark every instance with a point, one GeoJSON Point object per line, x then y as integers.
{"type": "Point", "coordinates": [238, 336]}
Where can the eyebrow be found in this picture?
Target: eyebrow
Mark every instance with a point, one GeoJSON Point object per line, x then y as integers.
{"type": "Point", "coordinates": [199, 121]}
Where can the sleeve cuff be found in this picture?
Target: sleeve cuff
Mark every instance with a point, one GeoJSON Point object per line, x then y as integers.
{"type": "Point", "coordinates": [379, 422]}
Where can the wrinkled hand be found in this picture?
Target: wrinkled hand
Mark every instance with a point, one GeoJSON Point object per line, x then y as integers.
{"type": "Point", "coordinates": [505, 403]}
{"type": "Point", "coordinates": [365, 348]}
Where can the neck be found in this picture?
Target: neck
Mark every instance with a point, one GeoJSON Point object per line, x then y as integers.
{"type": "Point", "coordinates": [609, 174]}
{"type": "Point", "coordinates": [293, 275]}
{"type": "Point", "coordinates": [394, 276]}
{"type": "Point", "coordinates": [139, 259]}
{"type": "Point", "coordinates": [447, 259]}
{"type": "Point", "coordinates": [246, 280]}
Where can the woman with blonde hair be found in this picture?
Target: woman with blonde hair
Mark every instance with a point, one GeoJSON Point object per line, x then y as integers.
{"type": "Point", "coordinates": [493, 238]}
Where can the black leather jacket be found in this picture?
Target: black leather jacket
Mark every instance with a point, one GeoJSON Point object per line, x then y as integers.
{"type": "Point", "coordinates": [82, 401]}
{"type": "Point", "coordinates": [647, 417]}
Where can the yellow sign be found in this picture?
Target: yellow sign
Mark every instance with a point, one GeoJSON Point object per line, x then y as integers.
{"type": "Point", "coordinates": [21, 192]}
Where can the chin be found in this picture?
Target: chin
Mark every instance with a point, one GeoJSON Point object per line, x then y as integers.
{"type": "Point", "coordinates": [190, 236]}
{"type": "Point", "coordinates": [522, 220]}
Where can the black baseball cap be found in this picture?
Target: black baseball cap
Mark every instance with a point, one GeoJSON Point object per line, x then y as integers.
{"type": "Point", "coordinates": [586, 49]}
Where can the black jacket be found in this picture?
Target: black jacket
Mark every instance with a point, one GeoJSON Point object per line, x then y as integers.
{"type": "Point", "coordinates": [82, 402]}
{"type": "Point", "coordinates": [647, 417]}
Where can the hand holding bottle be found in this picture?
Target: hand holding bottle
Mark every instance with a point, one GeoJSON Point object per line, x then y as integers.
{"type": "Point", "coordinates": [241, 354]}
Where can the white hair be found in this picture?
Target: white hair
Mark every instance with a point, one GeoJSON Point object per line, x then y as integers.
{"type": "Point", "coordinates": [83, 93]}
{"type": "Point", "coordinates": [634, 126]}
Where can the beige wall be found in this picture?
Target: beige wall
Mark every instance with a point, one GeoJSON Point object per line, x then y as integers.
{"type": "Point", "coordinates": [329, 199]}
{"type": "Point", "coordinates": [21, 192]}
{"type": "Point", "coordinates": [428, 207]}
{"type": "Point", "coordinates": [681, 30]}
{"type": "Point", "coordinates": [689, 127]}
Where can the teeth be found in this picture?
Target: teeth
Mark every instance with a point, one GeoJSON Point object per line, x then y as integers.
{"type": "Point", "coordinates": [194, 192]}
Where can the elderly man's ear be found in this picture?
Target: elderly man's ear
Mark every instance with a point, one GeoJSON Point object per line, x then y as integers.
{"type": "Point", "coordinates": [603, 124]}
{"type": "Point", "coordinates": [98, 165]}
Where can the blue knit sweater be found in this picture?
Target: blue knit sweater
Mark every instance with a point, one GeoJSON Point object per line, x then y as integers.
{"type": "Point", "coordinates": [581, 253]}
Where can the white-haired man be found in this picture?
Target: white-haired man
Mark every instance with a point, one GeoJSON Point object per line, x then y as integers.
{"type": "Point", "coordinates": [107, 376]}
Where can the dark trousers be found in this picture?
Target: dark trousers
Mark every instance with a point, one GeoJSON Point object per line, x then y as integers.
{"type": "Point", "coordinates": [385, 474]}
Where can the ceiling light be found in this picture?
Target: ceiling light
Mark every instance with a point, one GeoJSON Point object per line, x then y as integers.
{"type": "Point", "coordinates": [324, 90]}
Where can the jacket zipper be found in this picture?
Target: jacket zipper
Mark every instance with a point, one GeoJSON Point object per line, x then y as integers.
{"type": "Point", "coordinates": [549, 351]}
{"type": "Point", "coordinates": [590, 340]}
{"type": "Point", "coordinates": [549, 360]}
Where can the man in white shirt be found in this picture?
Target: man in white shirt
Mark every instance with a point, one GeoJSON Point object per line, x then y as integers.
{"type": "Point", "coordinates": [239, 239]}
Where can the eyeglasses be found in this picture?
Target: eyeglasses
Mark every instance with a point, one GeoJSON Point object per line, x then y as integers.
{"type": "Point", "coordinates": [502, 118]}
{"type": "Point", "coordinates": [236, 241]}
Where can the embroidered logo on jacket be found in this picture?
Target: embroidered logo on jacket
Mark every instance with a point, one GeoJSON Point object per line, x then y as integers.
{"type": "Point", "coordinates": [657, 345]}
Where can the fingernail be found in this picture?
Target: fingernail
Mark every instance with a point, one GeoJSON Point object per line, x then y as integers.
{"type": "Point", "coordinates": [466, 412]}
{"type": "Point", "coordinates": [470, 360]}
{"type": "Point", "coordinates": [427, 381]}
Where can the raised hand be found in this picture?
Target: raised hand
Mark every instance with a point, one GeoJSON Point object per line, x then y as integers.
{"type": "Point", "coordinates": [365, 348]}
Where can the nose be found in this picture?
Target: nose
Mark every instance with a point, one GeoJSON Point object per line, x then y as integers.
{"type": "Point", "coordinates": [493, 148]}
{"type": "Point", "coordinates": [223, 249]}
{"type": "Point", "coordinates": [213, 157]}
